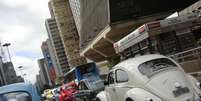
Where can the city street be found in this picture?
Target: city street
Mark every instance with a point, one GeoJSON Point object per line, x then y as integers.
{"type": "Point", "coordinates": [100, 50]}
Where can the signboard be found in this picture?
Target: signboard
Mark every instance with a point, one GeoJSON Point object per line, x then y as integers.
{"type": "Point", "coordinates": [131, 39]}
{"type": "Point", "coordinates": [50, 66]}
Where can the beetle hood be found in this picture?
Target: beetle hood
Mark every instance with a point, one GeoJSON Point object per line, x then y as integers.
{"type": "Point", "coordinates": [172, 86]}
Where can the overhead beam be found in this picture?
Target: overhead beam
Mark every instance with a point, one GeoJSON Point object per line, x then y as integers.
{"type": "Point", "coordinates": [93, 42]}
{"type": "Point", "coordinates": [99, 52]}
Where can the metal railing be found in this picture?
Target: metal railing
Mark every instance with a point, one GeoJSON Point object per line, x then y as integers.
{"type": "Point", "coordinates": [186, 56]}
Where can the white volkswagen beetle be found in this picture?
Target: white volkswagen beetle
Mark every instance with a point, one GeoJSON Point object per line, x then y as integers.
{"type": "Point", "coordinates": [150, 78]}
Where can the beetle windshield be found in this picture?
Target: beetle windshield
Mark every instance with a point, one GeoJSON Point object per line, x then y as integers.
{"type": "Point", "coordinates": [155, 66]}
{"type": "Point", "coordinates": [15, 96]}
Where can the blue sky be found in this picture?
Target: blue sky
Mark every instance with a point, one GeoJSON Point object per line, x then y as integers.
{"type": "Point", "coordinates": [22, 25]}
{"type": "Point", "coordinates": [28, 54]}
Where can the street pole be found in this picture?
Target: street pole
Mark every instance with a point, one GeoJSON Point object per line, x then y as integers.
{"type": "Point", "coordinates": [7, 45]}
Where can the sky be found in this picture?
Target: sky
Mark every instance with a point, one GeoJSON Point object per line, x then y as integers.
{"type": "Point", "coordinates": [22, 23]}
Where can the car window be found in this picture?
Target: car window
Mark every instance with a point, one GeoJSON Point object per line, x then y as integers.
{"type": "Point", "coordinates": [121, 76]}
{"type": "Point", "coordinates": [82, 86]}
{"type": "Point", "coordinates": [111, 78]}
{"type": "Point", "coordinates": [15, 96]}
{"type": "Point", "coordinates": [155, 66]}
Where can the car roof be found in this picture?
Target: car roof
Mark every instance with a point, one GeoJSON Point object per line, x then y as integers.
{"type": "Point", "coordinates": [129, 63]}
{"type": "Point", "coordinates": [16, 87]}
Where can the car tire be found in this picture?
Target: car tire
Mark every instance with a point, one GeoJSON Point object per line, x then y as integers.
{"type": "Point", "coordinates": [97, 99]}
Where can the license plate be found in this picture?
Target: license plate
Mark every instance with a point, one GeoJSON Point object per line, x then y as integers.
{"type": "Point", "coordinates": [181, 91]}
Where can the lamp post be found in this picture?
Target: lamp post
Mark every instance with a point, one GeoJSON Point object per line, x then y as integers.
{"type": "Point", "coordinates": [7, 45]}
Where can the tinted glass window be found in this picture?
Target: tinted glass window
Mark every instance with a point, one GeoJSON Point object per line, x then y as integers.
{"type": "Point", "coordinates": [121, 76]}
{"type": "Point", "coordinates": [111, 78]}
{"type": "Point", "coordinates": [155, 66]}
{"type": "Point", "coordinates": [15, 96]}
{"type": "Point", "coordinates": [83, 86]}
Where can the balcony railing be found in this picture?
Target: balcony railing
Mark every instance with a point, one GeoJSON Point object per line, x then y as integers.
{"type": "Point", "coordinates": [186, 56]}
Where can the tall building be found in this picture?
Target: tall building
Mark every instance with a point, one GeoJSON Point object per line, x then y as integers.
{"type": "Point", "coordinates": [91, 16]}
{"type": "Point", "coordinates": [39, 82]}
{"type": "Point", "coordinates": [52, 56]}
{"type": "Point", "coordinates": [51, 9]}
{"type": "Point", "coordinates": [67, 30]}
{"type": "Point", "coordinates": [43, 72]}
{"type": "Point", "coordinates": [58, 47]}
{"type": "Point", "coordinates": [9, 73]}
{"type": "Point", "coordinates": [49, 57]}
{"type": "Point", "coordinates": [76, 10]}
{"type": "Point", "coordinates": [101, 23]}
{"type": "Point", "coordinates": [2, 77]}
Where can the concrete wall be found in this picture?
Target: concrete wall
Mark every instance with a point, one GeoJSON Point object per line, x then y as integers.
{"type": "Point", "coordinates": [93, 18]}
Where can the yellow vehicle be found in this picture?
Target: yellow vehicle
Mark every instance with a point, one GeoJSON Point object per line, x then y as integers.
{"type": "Point", "coordinates": [47, 95]}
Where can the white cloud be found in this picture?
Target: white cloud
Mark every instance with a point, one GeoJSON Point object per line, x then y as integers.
{"type": "Point", "coordinates": [30, 67]}
{"type": "Point", "coordinates": [14, 3]}
{"type": "Point", "coordinates": [22, 25]}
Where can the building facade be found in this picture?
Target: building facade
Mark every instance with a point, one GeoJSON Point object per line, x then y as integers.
{"type": "Point", "coordinates": [58, 47]}
{"type": "Point", "coordinates": [53, 57]}
{"type": "Point", "coordinates": [2, 77]}
{"type": "Point", "coordinates": [43, 72]}
{"type": "Point", "coordinates": [46, 50]}
{"type": "Point", "coordinates": [9, 73]}
{"type": "Point", "coordinates": [39, 82]}
{"type": "Point", "coordinates": [91, 16]}
{"type": "Point", "coordinates": [68, 31]}
{"type": "Point", "coordinates": [116, 19]}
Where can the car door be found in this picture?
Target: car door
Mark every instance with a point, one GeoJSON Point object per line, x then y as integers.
{"type": "Point", "coordinates": [110, 89]}
{"type": "Point", "coordinates": [121, 86]}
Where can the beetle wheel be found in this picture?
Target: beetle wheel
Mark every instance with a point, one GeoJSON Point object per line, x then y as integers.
{"type": "Point", "coordinates": [129, 99]}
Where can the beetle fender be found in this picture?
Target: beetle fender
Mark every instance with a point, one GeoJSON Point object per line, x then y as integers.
{"type": "Point", "coordinates": [102, 96]}
{"type": "Point", "coordinates": [137, 94]}
{"type": "Point", "coordinates": [194, 82]}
